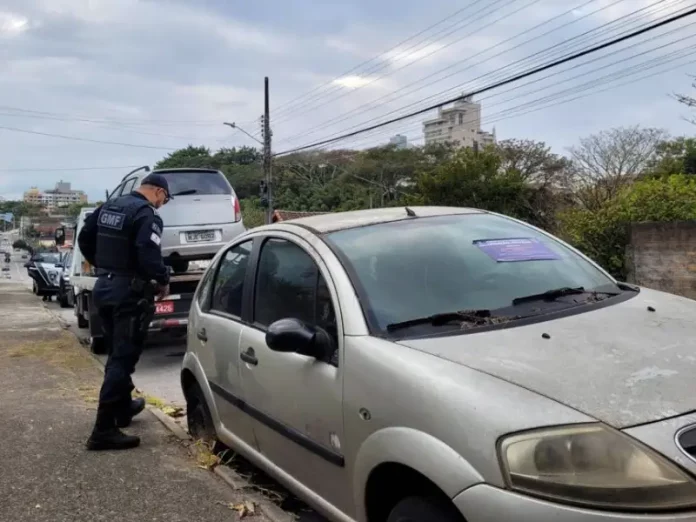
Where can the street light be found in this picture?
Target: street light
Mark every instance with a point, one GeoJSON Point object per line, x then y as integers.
{"type": "Point", "coordinates": [235, 126]}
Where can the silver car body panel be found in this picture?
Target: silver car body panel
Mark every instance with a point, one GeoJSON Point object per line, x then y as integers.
{"type": "Point", "coordinates": [640, 364]}
{"type": "Point", "coordinates": [430, 407]}
{"type": "Point", "coordinates": [484, 503]}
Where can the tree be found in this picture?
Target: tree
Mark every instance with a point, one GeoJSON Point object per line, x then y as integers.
{"type": "Point", "coordinates": [21, 244]}
{"type": "Point", "coordinates": [606, 162]}
{"type": "Point", "coordinates": [676, 156]}
{"type": "Point", "coordinates": [689, 101]}
{"type": "Point", "coordinates": [194, 157]}
{"type": "Point", "coordinates": [533, 161]}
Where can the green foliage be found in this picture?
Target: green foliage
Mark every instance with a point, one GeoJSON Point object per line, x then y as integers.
{"type": "Point", "coordinates": [252, 213]}
{"type": "Point", "coordinates": [676, 156]}
{"type": "Point", "coordinates": [21, 244]}
{"type": "Point", "coordinates": [19, 209]}
{"type": "Point", "coordinates": [603, 234]}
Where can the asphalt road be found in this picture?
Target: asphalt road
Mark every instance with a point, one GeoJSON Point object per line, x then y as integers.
{"type": "Point", "coordinates": [157, 373]}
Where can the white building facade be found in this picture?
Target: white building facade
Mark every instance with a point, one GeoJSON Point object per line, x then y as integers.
{"type": "Point", "coordinates": [459, 125]}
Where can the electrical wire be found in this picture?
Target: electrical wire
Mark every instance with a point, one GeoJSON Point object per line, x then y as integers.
{"type": "Point", "coordinates": [492, 75]}
{"type": "Point", "coordinates": [419, 58]}
{"type": "Point", "coordinates": [507, 81]}
{"type": "Point", "coordinates": [69, 169]}
{"type": "Point", "coordinates": [76, 138]}
{"type": "Point", "coordinates": [281, 108]}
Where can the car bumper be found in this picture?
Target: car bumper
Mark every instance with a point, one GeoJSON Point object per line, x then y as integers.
{"type": "Point", "coordinates": [483, 503]}
{"type": "Point", "coordinates": [174, 241]}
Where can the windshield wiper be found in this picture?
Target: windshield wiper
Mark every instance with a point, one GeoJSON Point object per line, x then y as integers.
{"type": "Point", "coordinates": [187, 192]}
{"type": "Point", "coordinates": [467, 318]}
{"type": "Point", "coordinates": [551, 295]}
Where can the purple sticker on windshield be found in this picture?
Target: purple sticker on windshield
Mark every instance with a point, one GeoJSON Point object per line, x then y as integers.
{"type": "Point", "coordinates": [516, 249]}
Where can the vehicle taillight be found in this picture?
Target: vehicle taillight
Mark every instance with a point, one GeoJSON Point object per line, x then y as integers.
{"type": "Point", "coordinates": [237, 208]}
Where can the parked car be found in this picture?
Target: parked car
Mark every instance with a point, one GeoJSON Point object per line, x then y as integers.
{"type": "Point", "coordinates": [65, 295]}
{"type": "Point", "coordinates": [444, 364]}
{"type": "Point", "coordinates": [203, 216]}
{"type": "Point", "coordinates": [44, 273]}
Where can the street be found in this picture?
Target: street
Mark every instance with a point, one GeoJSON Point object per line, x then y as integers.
{"type": "Point", "coordinates": [157, 374]}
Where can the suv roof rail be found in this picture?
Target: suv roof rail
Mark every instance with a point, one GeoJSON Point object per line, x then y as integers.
{"type": "Point", "coordinates": [146, 168]}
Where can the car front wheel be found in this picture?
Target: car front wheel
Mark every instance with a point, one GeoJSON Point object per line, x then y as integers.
{"type": "Point", "coordinates": [419, 509]}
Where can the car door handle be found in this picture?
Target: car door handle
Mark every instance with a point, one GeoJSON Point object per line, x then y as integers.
{"type": "Point", "coordinates": [249, 357]}
{"type": "Point", "coordinates": [202, 335]}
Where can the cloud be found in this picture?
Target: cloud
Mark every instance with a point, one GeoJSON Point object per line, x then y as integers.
{"type": "Point", "coordinates": [12, 24]}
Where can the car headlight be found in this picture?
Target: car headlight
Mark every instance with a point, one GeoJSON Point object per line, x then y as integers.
{"type": "Point", "coordinates": [595, 466]}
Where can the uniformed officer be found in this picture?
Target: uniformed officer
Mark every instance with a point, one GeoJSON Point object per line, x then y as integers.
{"type": "Point", "coordinates": [121, 239]}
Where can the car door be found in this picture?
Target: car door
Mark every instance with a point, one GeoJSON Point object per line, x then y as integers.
{"type": "Point", "coordinates": [296, 401]}
{"type": "Point", "coordinates": [216, 330]}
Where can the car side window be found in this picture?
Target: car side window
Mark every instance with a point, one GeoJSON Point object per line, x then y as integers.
{"type": "Point", "coordinates": [115, 193]}
{"type": "Point", "coordinates": [228, 289]}
{"type": "Point", "coordinates": [128, 186]}
{"type": "Point", "coordinates": [290, 284]}
{"type": "Point", "coordinates": [204, 287]}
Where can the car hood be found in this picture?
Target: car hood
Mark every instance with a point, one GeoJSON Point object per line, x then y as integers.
{"type": "Point", "coordinates": [49, 273]}
{"type": "Point", "coordinates": [622, 364]}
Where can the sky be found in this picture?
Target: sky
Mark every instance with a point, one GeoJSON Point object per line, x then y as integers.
{"type": "Point", "coordinates": [152, 76]}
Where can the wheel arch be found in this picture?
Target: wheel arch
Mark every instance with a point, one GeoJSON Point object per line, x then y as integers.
{"type": "Point", "coordinates": [394, 461]}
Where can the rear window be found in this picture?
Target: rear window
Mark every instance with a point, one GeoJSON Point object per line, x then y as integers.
{"type": "Point", "coordinates": [202, 182]}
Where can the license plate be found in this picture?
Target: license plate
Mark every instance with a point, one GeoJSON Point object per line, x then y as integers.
{"type": "Point", "coordinates": [165, 307]}
{"type": "Point", "coordinates": [200, 236]}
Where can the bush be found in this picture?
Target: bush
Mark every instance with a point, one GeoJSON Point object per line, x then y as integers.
{"type": "Point", "coordinates": [252, 212]}
{"type": "Point", "coordinates": [603, 234]}
{"type": "Point", "coordinates": [21, 244]}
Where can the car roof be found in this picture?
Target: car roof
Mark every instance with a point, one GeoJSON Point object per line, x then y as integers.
{"type": "Point", "coordinates": [184, 169]}
{"type": "Point", "coordinates": [332, 222]}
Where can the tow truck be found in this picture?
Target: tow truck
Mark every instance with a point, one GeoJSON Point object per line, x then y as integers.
{"type": "Point", "coordinates": [171, 313]}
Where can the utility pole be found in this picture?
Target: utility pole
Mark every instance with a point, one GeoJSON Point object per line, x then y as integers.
{"type": "Point", "coordinates": [267, 152]}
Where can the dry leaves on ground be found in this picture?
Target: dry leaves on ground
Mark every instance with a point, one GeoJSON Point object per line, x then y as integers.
{"type": "Point", "coordinates": [243, 509]}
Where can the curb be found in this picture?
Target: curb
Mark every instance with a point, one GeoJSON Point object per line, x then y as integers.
{"type": "Point", "coordinates": [227, 475]}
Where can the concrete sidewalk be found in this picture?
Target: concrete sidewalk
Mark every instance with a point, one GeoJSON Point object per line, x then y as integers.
{"type": "Point", "coordinates": [49, 390]}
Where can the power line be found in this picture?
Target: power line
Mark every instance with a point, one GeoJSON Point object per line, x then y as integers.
{"type": "Point", "coordinates": [371, 81]}
{"type": "Point", "coordinates": [75, 138]}
{"type": "Point", "coordinates": [283, 107]}
{"type": "Point", "coordinates": [492, 74]}
{"type": "Point", "coordinates": [617, 75]}
{"type": "Point", "coordinates": [69, 169]}
{"type": "Point", "coordinates": [501, 83]}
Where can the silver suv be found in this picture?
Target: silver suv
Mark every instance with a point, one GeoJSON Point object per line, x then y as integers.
{"type": "Point", "coordinates": [203, 216]}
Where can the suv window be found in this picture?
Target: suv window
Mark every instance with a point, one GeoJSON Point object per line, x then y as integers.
{"type": "Point", "coordinates": [203, 292]}
{"type": "Point", "coordinates": [128, 186]}
{"type": "Point", "coordinates": [204, 183]}
{"type": "Point", "coordinates": [228, 289]}
{"type": "Point", "coordinates": [289, 284]}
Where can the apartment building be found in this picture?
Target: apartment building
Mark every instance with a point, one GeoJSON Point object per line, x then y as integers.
{"type": "Point", "coordinates": [60, 196]}
{"type": "Point", "coordinates": [459, 125]}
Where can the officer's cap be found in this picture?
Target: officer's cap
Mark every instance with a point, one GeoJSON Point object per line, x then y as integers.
{"type": "Point", "coordinates": [157, 180]}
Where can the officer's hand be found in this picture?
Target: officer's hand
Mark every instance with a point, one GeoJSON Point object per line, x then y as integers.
{"type": "Point", "coordinates": [162, 291]}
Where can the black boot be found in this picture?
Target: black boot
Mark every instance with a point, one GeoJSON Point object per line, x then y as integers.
{"type": "Point", "coordinates": [106, 436]}
{"type": "Point", "coordinates": [135, 407]}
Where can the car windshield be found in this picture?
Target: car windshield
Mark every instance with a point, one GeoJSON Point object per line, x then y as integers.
{"type": "Point", "coordinates": [420, 267]}
{"type": "Point", "coordinates": [48, 258]}
{"type": "Point", "coordinates": [197, 183]}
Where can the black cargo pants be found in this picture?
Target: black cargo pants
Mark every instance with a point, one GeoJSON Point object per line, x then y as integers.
{"type": "Point", "coordinates": [124, 322]}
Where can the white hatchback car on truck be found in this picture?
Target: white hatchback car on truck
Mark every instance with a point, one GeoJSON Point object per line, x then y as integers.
{"type": "Point", "coordinates": [203, 215]}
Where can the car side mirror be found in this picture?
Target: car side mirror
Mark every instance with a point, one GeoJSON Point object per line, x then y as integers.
{"type": "Point", "coordinates": [293, 336]}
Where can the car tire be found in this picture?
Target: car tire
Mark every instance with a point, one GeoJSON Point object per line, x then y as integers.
{"type": "Point", "coordinates": [62, 297]}
{"type": "Point", "coordinates": [419, 509]}
{"type": "Point", "coordinates": [198, 417]}
{"type": "Point", "coordinates": [179, 266]}
{"type": "Point", "coordinates": [82, 322]}
{"type": "Point", "coordinates": [97, 345]}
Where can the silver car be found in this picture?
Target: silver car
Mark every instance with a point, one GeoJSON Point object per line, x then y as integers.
{"type": "Point", "coordinates": [203, 216]}
{"type": "Point", "coordinates": [444, 364]}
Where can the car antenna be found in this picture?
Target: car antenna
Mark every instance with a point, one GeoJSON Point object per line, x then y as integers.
{"type": "Point", "coordinates": [410, 212]}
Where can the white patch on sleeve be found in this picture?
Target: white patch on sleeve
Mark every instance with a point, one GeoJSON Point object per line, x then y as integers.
{"type": "Point", "coordinates": [155, 239]}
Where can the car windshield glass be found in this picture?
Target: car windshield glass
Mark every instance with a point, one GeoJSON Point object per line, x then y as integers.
{"type": "Point", "coordinates": [197, 183]}
{"type": "Point", "coordinates": [48, 258]}
{"type": "Point", "coordinates": [425, 266]}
